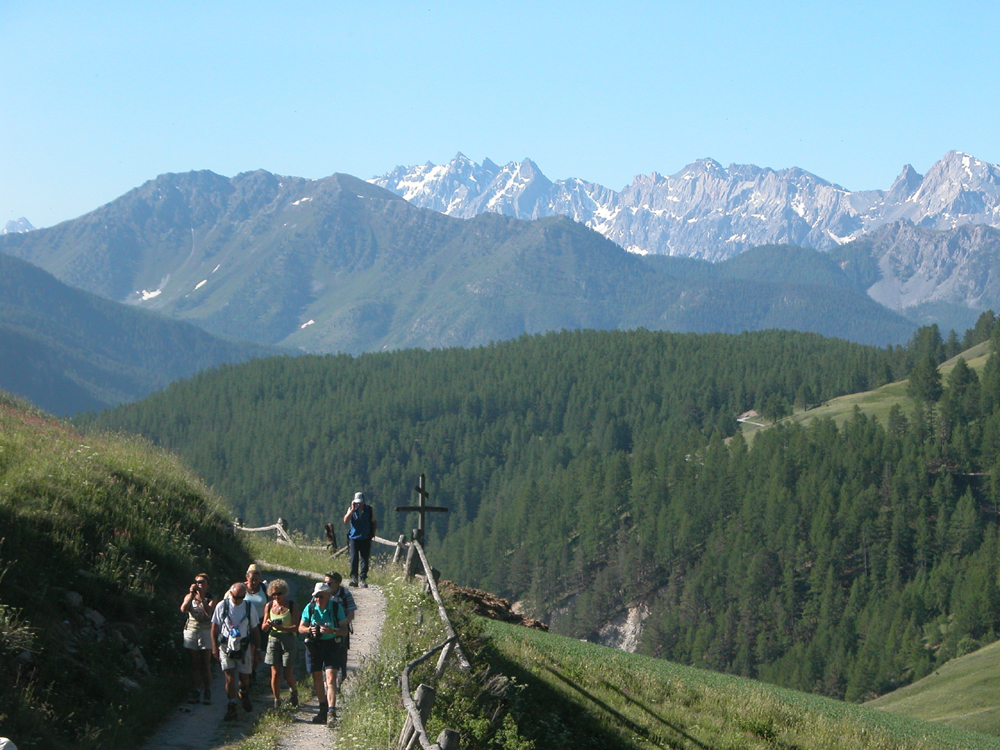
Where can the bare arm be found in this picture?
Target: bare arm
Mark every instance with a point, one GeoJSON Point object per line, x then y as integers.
{"type": "Point", "coordinates": [215, 640]}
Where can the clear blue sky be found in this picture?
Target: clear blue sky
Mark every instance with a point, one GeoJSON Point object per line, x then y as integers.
{"type": "Point", "coordinates": [99, 97]}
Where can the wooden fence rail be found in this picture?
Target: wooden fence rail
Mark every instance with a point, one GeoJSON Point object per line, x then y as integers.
{"type": "Point", "coordinates": [418, 707]}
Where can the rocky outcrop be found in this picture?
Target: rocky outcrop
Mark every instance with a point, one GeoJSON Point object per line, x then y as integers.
{"type": "Point", "coordinates": [489, 605]}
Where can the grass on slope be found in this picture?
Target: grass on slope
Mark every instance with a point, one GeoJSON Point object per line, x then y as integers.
{"type": "Point", "coordinates": [875, 403]}
{"type": "Point", "coordinates": [962, 693]}
{"type": "Point", "coordinates": [577, 694]}
{"type": "Point", "coordinates": [530, 690]}
{"type": "Point", "coordinates": [99, 540]}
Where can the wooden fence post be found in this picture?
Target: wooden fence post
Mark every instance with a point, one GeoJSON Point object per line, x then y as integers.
{"type": "Point", "coordinates": [448, 739]}
{"type": "Point", "coordinates": [442, 659]}
{"type": "Point", "coordinates": [424, 698]}
{"type": "Point", "coordinates": [412, 561]}
{"type": "Point", "coordinates": [400, 546]}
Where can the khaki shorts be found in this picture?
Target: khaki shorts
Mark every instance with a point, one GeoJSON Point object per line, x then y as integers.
{"type": "Point", "coordinates": [281, 651]}
{"type": "Point", "coordinates": [199, 639]}
{"type": "Point", "coordinates": [243, 666]}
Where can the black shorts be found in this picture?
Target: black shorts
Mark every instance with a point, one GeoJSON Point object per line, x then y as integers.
{"type": "Point", "coordinates": [322, 655]}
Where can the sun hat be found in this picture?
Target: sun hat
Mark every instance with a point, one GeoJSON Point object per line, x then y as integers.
{"type": "Point", "coordinates": [321, 588]}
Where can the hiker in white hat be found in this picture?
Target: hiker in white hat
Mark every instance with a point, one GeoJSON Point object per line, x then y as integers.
{"type": "Point", "coordinates": [362, 529]}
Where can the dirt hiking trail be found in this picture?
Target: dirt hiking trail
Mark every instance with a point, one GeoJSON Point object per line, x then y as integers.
{"type": "Point", "coordinates": [200, 727]}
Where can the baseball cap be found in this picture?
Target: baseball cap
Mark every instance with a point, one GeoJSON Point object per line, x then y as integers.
{"type": "Point", "coordinates": [359, 497]}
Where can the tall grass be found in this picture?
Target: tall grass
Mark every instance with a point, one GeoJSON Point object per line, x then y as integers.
{"type": "Point", "coordinates": [124, 527]}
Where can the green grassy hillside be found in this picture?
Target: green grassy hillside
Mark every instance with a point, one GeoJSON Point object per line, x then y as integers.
{"type": "Point", "coordinates": [576, 694]}
{"type": "Point", "coordinates": [875, 403]}
{"type": "Point", "coordinates": [99, 540]}
{"type": "Point", "coordinates": [961, 693]}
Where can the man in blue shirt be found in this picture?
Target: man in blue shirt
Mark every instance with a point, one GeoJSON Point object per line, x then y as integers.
{"type": "Point", "coordinates": [359, 537]}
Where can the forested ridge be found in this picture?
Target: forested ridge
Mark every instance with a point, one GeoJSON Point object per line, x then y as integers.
{"type": "Point", "coordinates": [587, 469]}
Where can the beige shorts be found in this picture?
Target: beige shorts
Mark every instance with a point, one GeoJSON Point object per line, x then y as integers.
{"type": "Point", "coordinates": [198, 640]}
{"type": "Point", "coordinates": [243, 666]}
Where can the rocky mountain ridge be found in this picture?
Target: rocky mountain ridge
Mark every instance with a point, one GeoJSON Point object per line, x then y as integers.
{"type": "Point", "coordinates": [17, 226]}
{"type": "Point", "coordinates": [341, 265]}
{"type": "Point", "coordinates": [709, 211]}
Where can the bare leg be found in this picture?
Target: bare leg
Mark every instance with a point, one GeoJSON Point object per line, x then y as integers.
{"type": "Point", "coordinates": [231, 683]}
{"type": "Point", "coordinates": [275, 681]}
{"type": "Point", "coordinates": [331, 687]}
{"type": "Point", "coordinates": [318, 686]}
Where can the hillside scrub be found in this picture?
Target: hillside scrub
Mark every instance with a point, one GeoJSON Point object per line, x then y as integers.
{"type": "Point", "coordinates": [99, 540]}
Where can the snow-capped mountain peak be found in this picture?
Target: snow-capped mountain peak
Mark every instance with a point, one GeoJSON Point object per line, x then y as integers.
{"type": "Point", "coordinates": [709, 211]}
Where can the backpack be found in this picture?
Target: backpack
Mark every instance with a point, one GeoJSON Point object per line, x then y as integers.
{"type": "Point", "coordinates": [341, 599]}
{"type": "Point", "coordinates": [244, 637]}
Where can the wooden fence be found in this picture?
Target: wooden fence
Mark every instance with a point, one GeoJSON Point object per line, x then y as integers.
{"type": "Point", "coordinates": [418, 704]}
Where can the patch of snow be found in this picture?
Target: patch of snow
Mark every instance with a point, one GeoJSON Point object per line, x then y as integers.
{"type": "Point", "coordinates": [636, 250]}
{"type": "Point", "coordinates": [149, 295]}
{"type": "Point", "coordinates": [217, 268]}
{"type": "Point", "coordinates": [307, 323]}
{"type": "Point", "coordinates": [200, 284]}
{"type": "Point", "coordinates": [301, 200]}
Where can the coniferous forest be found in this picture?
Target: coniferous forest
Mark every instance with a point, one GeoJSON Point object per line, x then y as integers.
{"type": "Point", "coordinates": [585, 471]}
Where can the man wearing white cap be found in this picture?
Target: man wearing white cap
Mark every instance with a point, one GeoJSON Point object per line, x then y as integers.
{"type": "Point", "coordinates": [359, 537]}
{"type": "Point", "coordinates": [321, 624]}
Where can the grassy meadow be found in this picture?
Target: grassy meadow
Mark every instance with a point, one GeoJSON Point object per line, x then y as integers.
{"type": "Point", "coordinates": [583, 695]}
{"type": "Point", "coordinates": [964, 692]}
{"type": "Point", "coordinates": [876, 403]}
{"type": "Point", "coordinates": [99, 539]}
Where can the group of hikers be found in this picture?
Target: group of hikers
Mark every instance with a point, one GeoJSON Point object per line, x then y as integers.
{"type": "Point", "coordinates": [253, 614]}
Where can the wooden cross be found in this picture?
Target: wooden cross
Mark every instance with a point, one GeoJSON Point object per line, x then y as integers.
{"type": "Point", "coordinates": [422, 508]}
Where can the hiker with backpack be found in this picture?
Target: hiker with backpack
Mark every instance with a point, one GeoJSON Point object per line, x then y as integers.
{"type": "Point", "coordinates": [257, 596]}
{"type": "Point", "coordinates": [199, 605]}
{"type": "Point", "coordinates": [361, 531]}
{"type": "Point", "coordinates": [281, 626]}
{"type": "Point", "coordinates": [235, 638]}
{"type": "Point", "coordinates": [324, 624]}
{"type": "Point", "coordinates": [345, 598]}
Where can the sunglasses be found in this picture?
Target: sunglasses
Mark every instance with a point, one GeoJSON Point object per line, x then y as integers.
{"type": "Point", "coordinates": [200, 580]}
{"type": "Point", "coordinates": [238, 598]}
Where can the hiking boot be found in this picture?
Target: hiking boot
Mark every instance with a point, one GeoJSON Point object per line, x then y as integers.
{"type": "Point", "coordinates": [364, 584]}
{"type": "Point", "coordinates": [354, 582]}
{"type": "Point", "coordinates": [195, 697]}
{"type": "Point", "coordinates": [334, 715]}
{"type": "Point", "coordinates": [321, 717]}
{"type": "Point", "coordinates": [207, 698]}
{"type": "Point", "coordinates": [245, 700]}
{"type": "Point", "coordinates": [293, 698]}
{"type": "Point", "coordinates": [277, 704]}
{"type": "Point", "coordinates": [230, 713]}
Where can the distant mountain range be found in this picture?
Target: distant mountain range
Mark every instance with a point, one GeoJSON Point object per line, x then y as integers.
{"type": "Point", "coordinates": [709, 211]}
{"type": "Point", "coordinates": [68, 351]}
{"type": "Point", "coordinates": [339, 264]}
